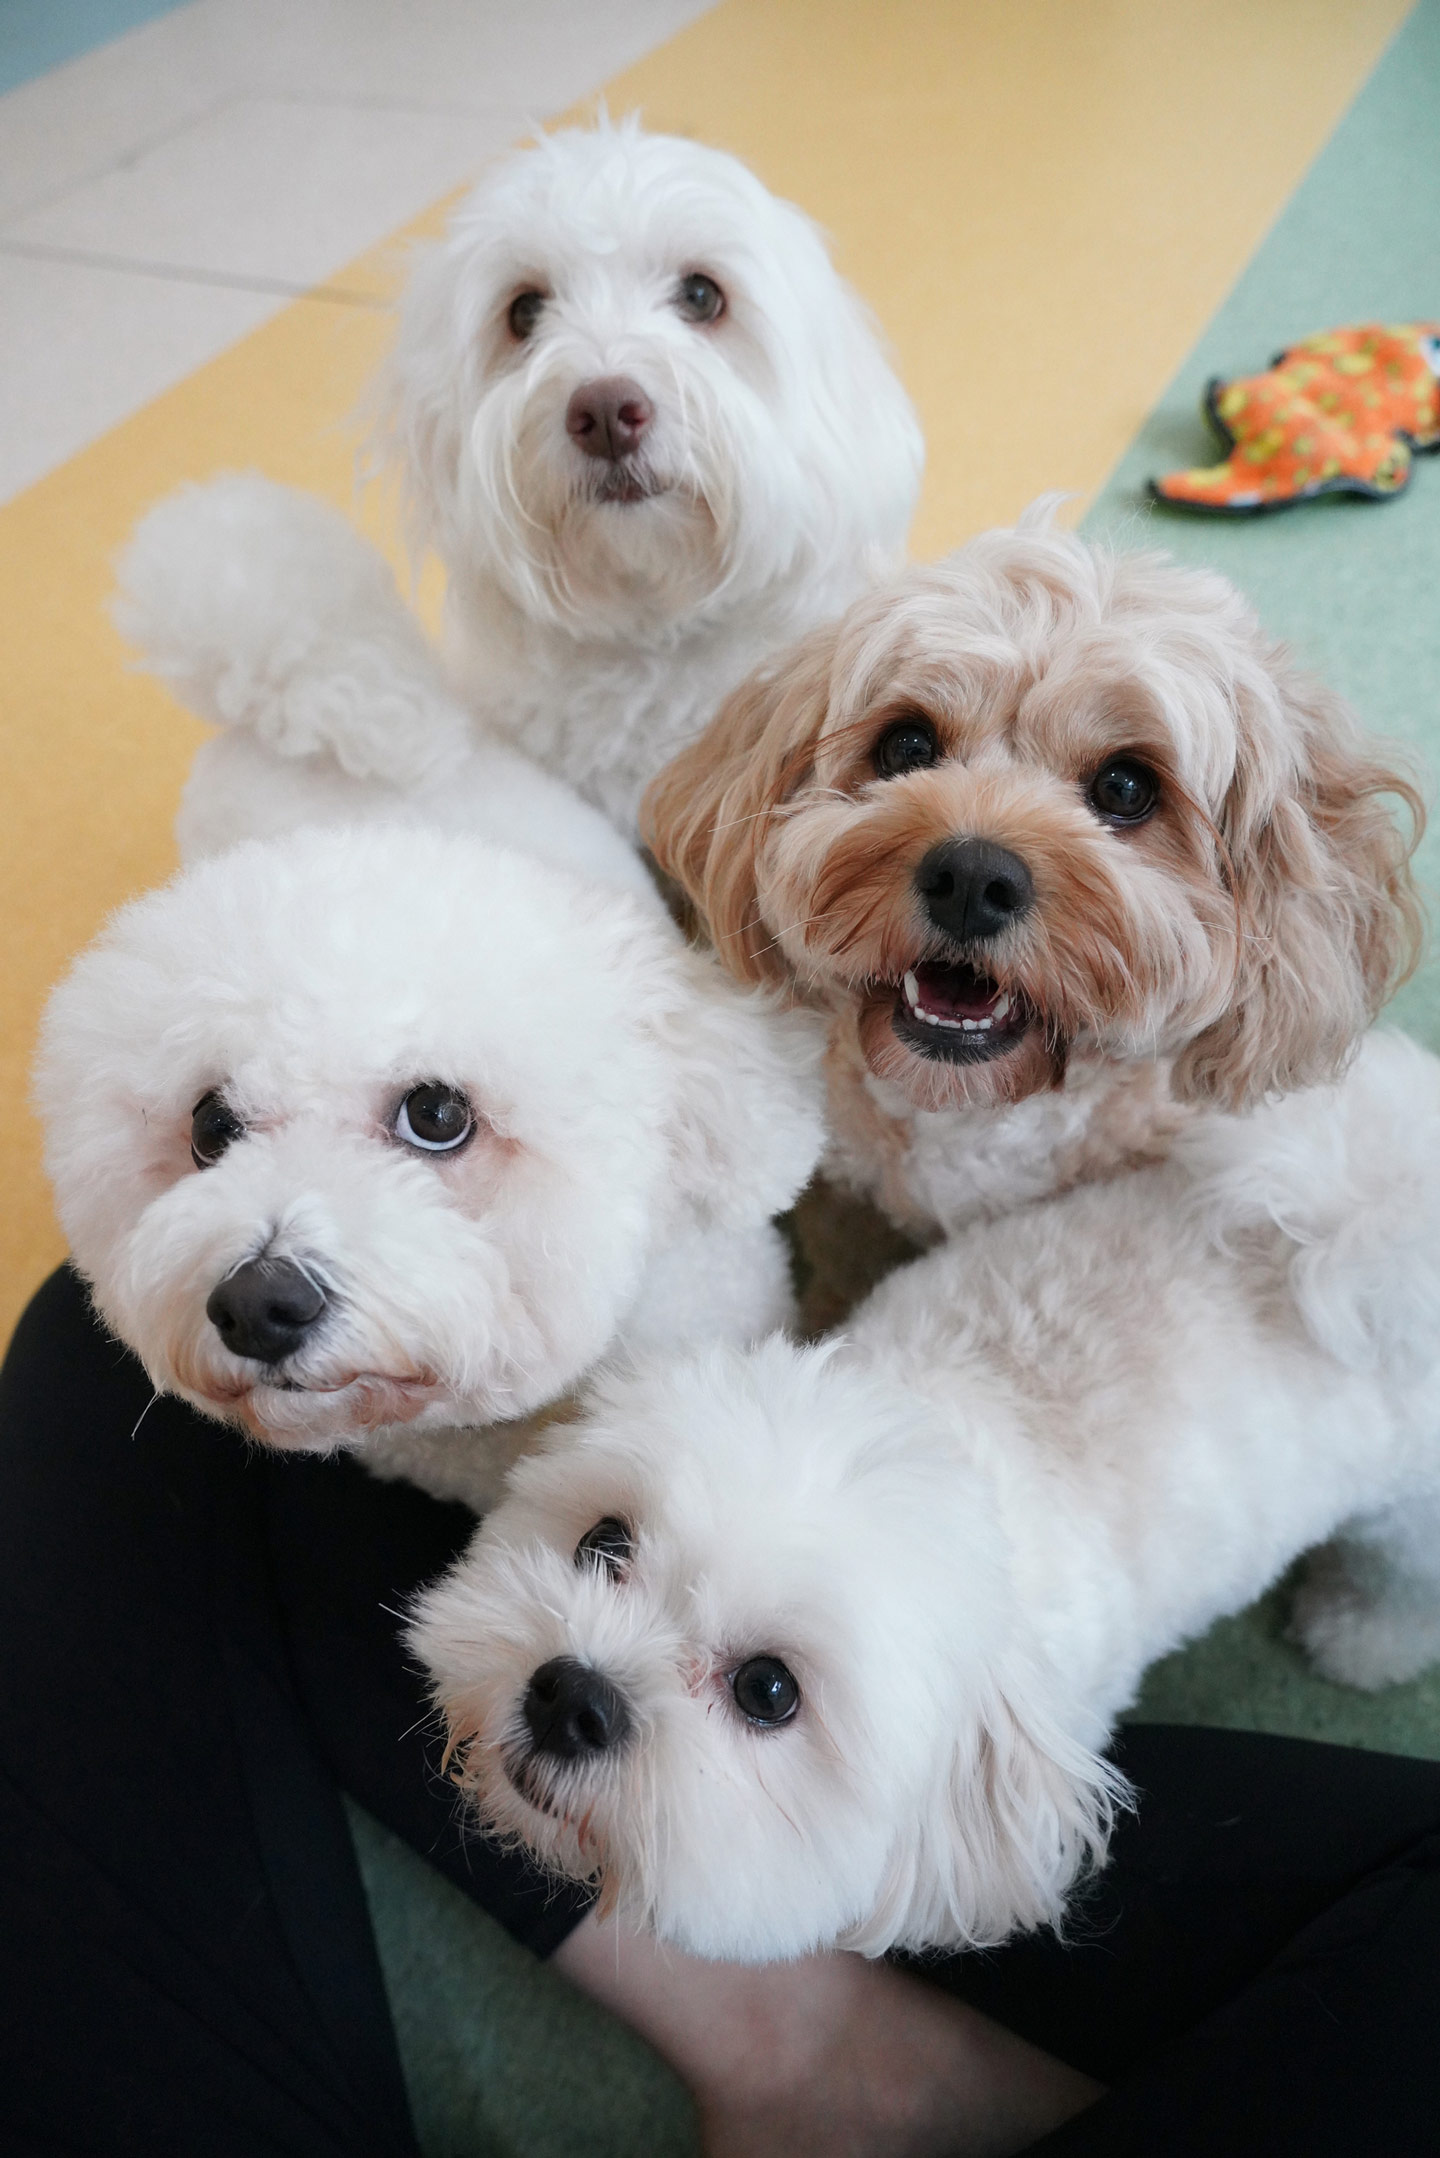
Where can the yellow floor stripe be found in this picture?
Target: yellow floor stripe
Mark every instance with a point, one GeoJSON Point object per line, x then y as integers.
{"type": "Point", "coordinates": [1044, 200]}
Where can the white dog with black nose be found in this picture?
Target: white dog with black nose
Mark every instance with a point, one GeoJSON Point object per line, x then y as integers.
{"type": "Point", "coordinates": [652, 436]}
{"type": "Point", "coordinates": [363, 1133]}
{"type": "Point", "coordinates": [801, 1647]}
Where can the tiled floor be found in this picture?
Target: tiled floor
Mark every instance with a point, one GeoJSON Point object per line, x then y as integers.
{"type": "Point", "coordinates": [165, 192]}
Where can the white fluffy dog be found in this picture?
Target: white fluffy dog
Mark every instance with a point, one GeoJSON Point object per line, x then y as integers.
{"type": "Point", "coordinates": [652, 436]}
{"type": "Point", "coordinates": [362, 1130]}
{"type": "Point", "coordinates": [1062, 842]}
{"type": "Point", "coordinates": [805, 1646]}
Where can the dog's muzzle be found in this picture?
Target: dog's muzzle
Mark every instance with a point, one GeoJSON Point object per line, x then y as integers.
{"type": "Point", "coordinates": [951, 1009]}
{"type": "Point", "coordinates": [606, 418]}
{"type": "Point", "coordinates": [573, 1713]}
{"type": "Point", "coordinates": [972, 890]}
{"type": "Point", "coordinates": [266, 1308]}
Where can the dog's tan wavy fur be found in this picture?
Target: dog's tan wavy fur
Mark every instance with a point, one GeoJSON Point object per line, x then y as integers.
{"type": "Point", "coordinates": [1249, 930]}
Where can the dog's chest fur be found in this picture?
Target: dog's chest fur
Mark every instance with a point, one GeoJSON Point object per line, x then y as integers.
{"type": "Point", "coordinates": [605, 716]}
{"type": "Point", "coordinates": [934, 1171]}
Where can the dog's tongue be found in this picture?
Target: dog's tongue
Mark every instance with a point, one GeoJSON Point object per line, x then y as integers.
{"type": "Point", "coordinates": [952, 992]}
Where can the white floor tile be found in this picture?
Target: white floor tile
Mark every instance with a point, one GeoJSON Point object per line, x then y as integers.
{"type": "Point", "coordinates": [538, 55]}
{"type": "Point", "coordinates": [458, 55]}
{"type": "Point", "coordinates": [86, 116]}
{"type": "Point", "coordinates": [260, 140]}
{"type": "Point", "coordinates": [97, 345]}
{"type": "Point", "coordinates": [269, 189]}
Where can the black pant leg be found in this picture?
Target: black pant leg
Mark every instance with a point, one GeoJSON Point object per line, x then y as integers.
{"type": "Point", "coordinates": [1258, 1968]}
{"type": "Point", "coordinates": [1239, 1842]}
{"type": "Point", "coordinates": [1332, 2051]}
{"type": "Point", "coordinates": [195, 1652]}
{"type": "Point", "coordinates": [186, 1962]}
{"type": "Point", "coordinates": [348, 1552]}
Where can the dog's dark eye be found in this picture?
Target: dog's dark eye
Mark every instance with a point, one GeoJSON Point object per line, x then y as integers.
{"type": "Point", "coordinates": [909, 745]}
{"type": "Point", "coordinates": [212, 1127]}
{"type": "Point", "coordinates": [611, 1544]}
{"type": "Point", "coordinates": [525, 311]}
{"type": "Point", "coordinates": [699, 298]}
{"type": "Point", "coordinates": [1124, 790]}
{"type": "Point", "coordinates": [765, 1691]}
{"type": "Point", "coordinates": [436, 1118]}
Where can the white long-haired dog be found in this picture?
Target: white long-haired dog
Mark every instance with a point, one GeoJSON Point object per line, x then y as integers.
{"type": "Point", "coordinates": [804, 1646]}
{"type": "Point", "coordinates": [1062, 842]}
{"type": "Point", "coordinates": [652, 436]}
{"type": "Point", "coordinates": [368, 1129]}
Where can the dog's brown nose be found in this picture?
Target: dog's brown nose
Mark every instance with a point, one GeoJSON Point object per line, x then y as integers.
{"type": "Point", "coordinates": [608, 417]}
{"type": "Point", "coordinates": [571, 1709]}
{"type": "Point", "coordinates": [973, 889]}
{"type": "Point", "coordinates": [265, 1309]}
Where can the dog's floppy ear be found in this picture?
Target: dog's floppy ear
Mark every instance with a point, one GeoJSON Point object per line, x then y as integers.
{"type": "Point", "coordinates": [1328, 916]}
{"type": "Point", "coordinates": [706, 817]}
{"type": "Point", "coordinates": [748, 1119]}
{"type": "Point", "coordinates": [1019, 1811]}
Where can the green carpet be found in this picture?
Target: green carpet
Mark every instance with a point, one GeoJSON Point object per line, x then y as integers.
{"type": "Point", "coordinates": [501, 2057]}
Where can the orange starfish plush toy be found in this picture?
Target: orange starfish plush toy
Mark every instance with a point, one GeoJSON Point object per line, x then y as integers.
{"type": "Point", "coordinates": [1341, 412]}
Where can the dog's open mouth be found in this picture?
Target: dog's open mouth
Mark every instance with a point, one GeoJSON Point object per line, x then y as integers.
{"type": "Point", "coordinates": [958, 1015]}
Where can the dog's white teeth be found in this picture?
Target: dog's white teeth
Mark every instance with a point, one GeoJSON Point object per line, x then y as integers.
{"type": "Point", "coordinates": [963, 1026]}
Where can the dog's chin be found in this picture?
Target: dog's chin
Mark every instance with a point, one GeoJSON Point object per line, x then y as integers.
{"type": "Point", "coordinates": [622, 485]}
{"type": "Point", "coordinates": [555, 1817]}
{"type": "Point", "coordinates": [314, 1418]}
{"type": "Point", "coordinates": [949, 1037]}
{"type": "Point", "coordinates": [526, 1775]}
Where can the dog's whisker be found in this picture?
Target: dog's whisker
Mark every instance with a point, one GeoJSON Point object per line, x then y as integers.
{"type": "Point", "coordinates": [155, 1396]}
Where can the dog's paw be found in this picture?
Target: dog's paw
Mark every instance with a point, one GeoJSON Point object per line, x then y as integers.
{"type": "Point", "coordinates": [378, 713]}
{"type": "Point", "coordinates": [1361, 1626]}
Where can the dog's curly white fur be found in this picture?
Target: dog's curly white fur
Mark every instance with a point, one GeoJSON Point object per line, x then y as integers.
{"type": "Point", "coordinates": [268, 614]}
{"type": "Point", "coordinates": [600, 607]}
{"type": "Point", "coordinates": [635, 1123]}
{"type": "Point", "coordinates": [1044, 1455]}
{"type": "Point", "coordinates": [1184, 881]}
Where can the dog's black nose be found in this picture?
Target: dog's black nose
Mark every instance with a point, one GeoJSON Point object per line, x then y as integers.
{"type": "Point", "coordinates": [608, 417]}
{"type": "Point", "coordinates": [265, 1309]}
{"type": "Point", "coordinates": [572, 1709]}
{"type": "Point", "coordinates": [973, 889]}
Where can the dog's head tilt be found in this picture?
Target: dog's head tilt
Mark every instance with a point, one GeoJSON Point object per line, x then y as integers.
{"type": "Point", "coordinates": [630, 395]}
{"type": "Point", "coordinates": [361, 1129]}
{"type": "Point", "coordinates": [742, 1648]}
{"type": "Point", "coordinates": [1043, 795]}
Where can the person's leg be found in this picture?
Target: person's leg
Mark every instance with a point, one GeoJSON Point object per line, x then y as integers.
{"type": "Point", "coordinates": [1257, 1970]}
{"type": "Point", "coordinates": [192, 1654]}
{"type": "Point", "coordinates": [347, 1553]}
{"type": "Point", "coordinates": [1333, 2051]}
{"type": "Point", "coordinates": [185, 1956]}
{"type": "Point", "coordinates": [1239, 1841]}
